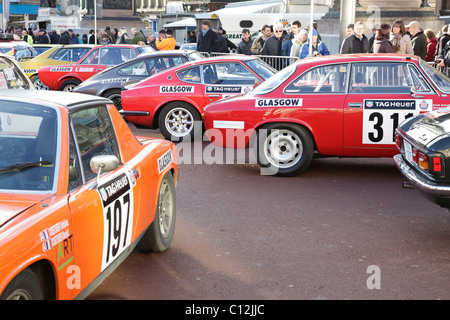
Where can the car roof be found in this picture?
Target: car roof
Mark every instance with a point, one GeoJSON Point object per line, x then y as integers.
{"type": "Point", "coordinates": [359, 57]}
{"type": "Point", "coordinates": [165, 53]}
{"type": "Point", "coordinates": [69, 100]}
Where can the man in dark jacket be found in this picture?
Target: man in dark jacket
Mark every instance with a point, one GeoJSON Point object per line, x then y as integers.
{"type": "Point", "coordinates": [357, 42]}
{"type": "Point", "coordinates": [442, 42]}
{"type": "Point", "coordinates": [418, 39]}
{"type": "Point", "coordinates": [64, 39]}
{"type": "Point", "coordinates": [230, 45]}
{"type": "Point", "coordinates": [207, 38]}
{"type": "Point", "coordinates": [222, 43]}
{"type": "Point", "coordinates": [272, 47]}
{"type": "Point", "coordinates": [245, 46]}
{"type": "Point", "coordinates": [43, 37]}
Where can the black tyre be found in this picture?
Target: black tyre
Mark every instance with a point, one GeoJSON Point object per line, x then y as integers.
{"type": "Point", "coordinates": [159, 235]}
{"type": "Point", "coordinates": [284, 149]}
{"type": "Point", "coordinates": [115, 96]}
{"type": "Point", "coordinates": [69, 85]}
{"type": "Point", "coordinates": [177, 121]}
{"type": "Point", "coordinates": [38, 84]}
{"type": "Point", "coordinates": [25, 286]}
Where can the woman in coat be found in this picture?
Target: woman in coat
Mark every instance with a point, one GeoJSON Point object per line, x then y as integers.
{"type": "Point", "coordinates": [399, 39]}
{"type": "Point", "coordinates": [382, 44]}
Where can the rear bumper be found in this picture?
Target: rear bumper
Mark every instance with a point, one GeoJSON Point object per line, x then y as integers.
{"type": "Point", "coordinates": [428, 187]}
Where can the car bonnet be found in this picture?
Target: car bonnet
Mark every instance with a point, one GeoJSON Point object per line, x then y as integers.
{"type": "Point", "coordinates": [11, 206]}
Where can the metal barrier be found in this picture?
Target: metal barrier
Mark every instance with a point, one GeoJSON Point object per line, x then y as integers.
{"type": "Point", "coordinates": [277, 62]}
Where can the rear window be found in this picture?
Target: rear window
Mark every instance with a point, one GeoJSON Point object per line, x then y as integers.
{"type": "Point", "coordinates": [10, 76]}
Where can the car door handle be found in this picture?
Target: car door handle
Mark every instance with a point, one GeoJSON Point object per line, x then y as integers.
{"type": "Point", "coordinates": [355, 104]}
{"type": "Point", "coordinates": [214, 95]}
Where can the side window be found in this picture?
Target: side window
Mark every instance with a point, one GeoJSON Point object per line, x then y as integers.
{"type": "Point", "coordinates": [380, 78]}
{"type": "Point", "coordinates": [233, 73]}
{"type": "Point", "coordinates": [156, 65]}
{"type": "Point", "coordinates": [326, 79]}
{"type": "Point", "coordinates": [76, 54]}
{"type": "Point", "coordinates": [92, 58]}
{"type": "Point", "coordinates": [138, 68]}
{"type": "Point", "coordinates": [61, 54]}
{"type": "Point", "coordinates": [418, 82]}
{"type": "Point", "coordinates": [190, 75]}
{"type": "Point", "coordinates": [175, 61]}
{"type": "Point", "coordinates": [75, 177]}
{"type": "Point", "coordinates": [95, 136]}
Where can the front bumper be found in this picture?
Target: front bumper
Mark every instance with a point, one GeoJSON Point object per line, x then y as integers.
{"type": "Point", "coordinates": [428, 187]}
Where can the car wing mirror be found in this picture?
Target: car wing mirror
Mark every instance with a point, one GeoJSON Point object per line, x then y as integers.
{"type": "Point", "coordinates": [102, 163]}
{"type": "Point", "coordinates": [414, 93]}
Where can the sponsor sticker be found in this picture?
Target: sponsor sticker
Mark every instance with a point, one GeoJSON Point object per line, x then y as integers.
{"type": "Point", "coordinates": [176, 89]}
{"type": "Point", "coordinates": [165, 160]}
{"type": "Point", "coordinates": [117, 80]}
{"type": "Point", "coordinates": [117, 201]}
{"type": "Point", "coordinates": [30, 70]}
{"type": "Point", "coordinates": [61, 69]}
{"type": "Point", "coordinates": [268, 103]}
{"type": "Point", "coordinates": [54, 235]}
{"type": "Point", "coordinates": [223, 89]}
{"type": "Point", "coordinates": [381, 117]}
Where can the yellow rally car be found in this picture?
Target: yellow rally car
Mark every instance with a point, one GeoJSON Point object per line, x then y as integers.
{"type": "Point", "coordinates": [57, 55]}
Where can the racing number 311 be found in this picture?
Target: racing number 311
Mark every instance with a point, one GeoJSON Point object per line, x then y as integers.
{"type": "Point", "coordinates": [379, 127]}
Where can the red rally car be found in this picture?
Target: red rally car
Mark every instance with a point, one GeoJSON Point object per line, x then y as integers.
{"type": "Point", "coordinates": [342, 105]}
{"type": "Point", "coordinates": [176, 97]}
{"type": "Point", "coordinates": [99, 58]}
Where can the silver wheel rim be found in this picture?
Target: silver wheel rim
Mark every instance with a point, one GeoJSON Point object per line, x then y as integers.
{"type": "Point", "coordinates": [69, 88]}
{"type": "Point", "coordinates": [179, 122]}
{"type": "Point", "coordinates": [19, 294]}
{"type": "Point", "coordinates": [283, 148]}
{"type": "Point", "coordinates": [165, 209]}
{"type": "Point", "coordinates": [39, 85]}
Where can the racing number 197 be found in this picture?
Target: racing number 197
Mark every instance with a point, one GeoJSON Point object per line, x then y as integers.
{"type": "Point", "coordinates": [381, 131]}
{"type": "Point", "coordinates": [116, 230]}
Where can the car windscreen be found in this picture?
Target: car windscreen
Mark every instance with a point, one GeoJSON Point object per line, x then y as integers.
{"type": "Point", "coordinates": [261, 68]}
{"type": "Point", "coordinates": [276, 80]}
{"type": "Point", "coordinates": [144, 49]}
{"type": "Point", "coordinates": [438, 78]}
{"type": "Point", "coordinates": [28, 147]}
{"type": "Point", "coordinates": [11, 77]}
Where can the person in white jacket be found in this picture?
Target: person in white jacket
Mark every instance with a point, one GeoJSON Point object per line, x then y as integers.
{"type": "Point", "coordinates": [400, 39]}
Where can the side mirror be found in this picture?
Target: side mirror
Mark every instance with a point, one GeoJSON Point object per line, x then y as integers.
{"type": "Point", "coordinates": [101, 164]}
{"type": "Point", "coordinates": [414, 93]}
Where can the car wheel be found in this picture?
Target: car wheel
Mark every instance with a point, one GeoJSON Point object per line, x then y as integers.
{"type": "Point", "coordinates": [177, 121]}
{"type": "Point", "coordinates": [284, 149]}
{"type": "Point", "coordinates": [25, 286]}
{"type": "Point", "coordinates": [38, 84]}
{"type": "Point", "coordinates": [159, 235]}
{"type": "Point", "coordinates": [114, 96]}
{"type": "Point", "coordinates": [69, 85]}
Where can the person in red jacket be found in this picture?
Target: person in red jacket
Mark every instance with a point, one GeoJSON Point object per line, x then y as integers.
{"type": "Point", "coordinates": [431, 44]}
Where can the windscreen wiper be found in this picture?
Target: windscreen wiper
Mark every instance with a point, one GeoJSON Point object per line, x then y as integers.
{"type": "Point", "coordinates": [25, 166]}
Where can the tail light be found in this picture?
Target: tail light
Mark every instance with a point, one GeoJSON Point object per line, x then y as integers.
{"type": "Point", "coordinates": [398, 141]}
{"type": "Point", "coordinates": [422, 161]}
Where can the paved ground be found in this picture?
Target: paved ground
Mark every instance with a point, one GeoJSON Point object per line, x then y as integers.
{"type": "Point", "coordinates": [240, 235]}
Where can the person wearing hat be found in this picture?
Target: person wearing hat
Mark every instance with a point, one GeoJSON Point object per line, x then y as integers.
{"type": "Point", "coordinates": [137, 36]}
{"type": "Point", "coordinates": [72, 37]}
{"type": "Point", "coordinates": [43, 37]}
{"type": "Point", "coordinates": [168, 43]}
{"type": "Point", "coordinates": [318, 47]}
{"type": "Point", "coordinates": [418, 39]}
{"type": "Point", "coordinates": [357, 42]}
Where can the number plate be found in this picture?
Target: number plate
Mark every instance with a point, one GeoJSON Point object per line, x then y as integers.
{"type": "Point", "coordinates": [408, 151]}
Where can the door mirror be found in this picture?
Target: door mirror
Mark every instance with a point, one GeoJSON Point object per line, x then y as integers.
{"type": "Point", "coordinates": [103, 163]}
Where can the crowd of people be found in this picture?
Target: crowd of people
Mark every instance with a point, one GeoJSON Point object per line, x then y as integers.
{"type": "Point", "coordinates": [292, 41]}
{"type": "Point", "coordinates": [279, 40]}
{"type": "Point", "coordinates": [165, 40]}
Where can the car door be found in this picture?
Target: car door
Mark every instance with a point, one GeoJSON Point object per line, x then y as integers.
{"type": "Point", "coordinates": [225, 79]}
{"type": "Point", "coordinates": [319, 94]}
{"type": "Point", "coordinates": [380, 98]}
{"type": "Point", "coordinates": [102, 213]}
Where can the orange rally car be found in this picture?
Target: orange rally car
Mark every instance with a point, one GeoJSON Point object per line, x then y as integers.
{"type": "Point", "coordinates": [78, 191]}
